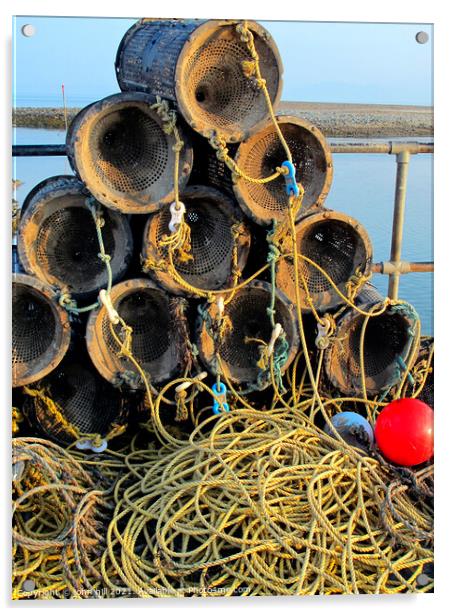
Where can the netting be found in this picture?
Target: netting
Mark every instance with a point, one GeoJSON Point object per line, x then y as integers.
{"type": "Point", "coordinates": [250, 328]}
{"type": "Point", "coordinates": [385, 350]}
{"type": "Point", "coordinates": [339, 246]}
{"type": "Point", "coordinates": [146, 309]}
{"type": "Point", "coordinates": [86, 401]}
{"type": "Point", "coordinates": [119, 149]}
{"type": "Point", "coordinates": [263, 152]}
{"type": "Point", "coordinates": [40, 330]}
{"type": "Point", "coordinates": [422, 385]}
{"type": "Point", "coordinates": [211, 217]}
{"type": "Point", "coordinates": [58, 239]}
{"type": "Point", "coordinates": [221, 96]}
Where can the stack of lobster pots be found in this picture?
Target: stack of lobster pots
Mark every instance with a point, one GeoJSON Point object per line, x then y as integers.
{"type": "Point", "coordinates": [190, 143]}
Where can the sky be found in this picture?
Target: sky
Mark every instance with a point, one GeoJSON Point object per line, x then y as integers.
{"type": "Point", "coordinates": [323, 61]}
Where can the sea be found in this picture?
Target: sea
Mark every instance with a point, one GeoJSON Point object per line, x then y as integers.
{"type": "Point", "coordinates": [363, 187]}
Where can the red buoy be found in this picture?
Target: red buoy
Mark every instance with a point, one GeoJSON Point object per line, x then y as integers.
{"type": "Point", "coordinates": [404, 432]}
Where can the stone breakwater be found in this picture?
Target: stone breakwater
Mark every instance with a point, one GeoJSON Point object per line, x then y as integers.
{"type": "Point", "coordinates": [333, 119]}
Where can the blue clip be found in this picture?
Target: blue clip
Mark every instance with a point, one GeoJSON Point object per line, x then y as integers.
{"type": "Point", "coordinates": [220, 392]}
{"type": "Point", "coordinates": [291, 183]}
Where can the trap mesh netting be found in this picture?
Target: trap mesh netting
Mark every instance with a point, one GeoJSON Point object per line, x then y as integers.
{"type": "Point", "coordinates": [210, 85]}
{"type": "Point", "coordinates": [40, 330]}
{"type": "Point", "coordinates": [155, 343]}
{"type": "Point", "coordinates": [259, 156]}
{"type": "Point", "coordinates": [58, 238]}
{"type": "Point", "coordinates": [219, 240]}
{"type": "Point", "coordinates": [249, 328]}
{"type": "Point", "coordinates": [76, 400]}
{"type": "Point", "coordinates": [119, 148]}
{"type": "Point", "coordinates": [380, 353]}
{"type": "Point", "coordinates": [340, 246]}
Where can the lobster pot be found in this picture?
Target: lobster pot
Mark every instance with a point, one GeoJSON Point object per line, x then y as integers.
{"type": "Point", "coordinates": [155, 335]}
{"type": "Point", "coordinates": [85, 400]}
{"type": "Point", "coordinates": [119, 149]}
{"type": "Point", "coordinates": [387, 349]}
{"type": "Point", "coordinates": [217, 233]}
{"type": "Point", "coordinates": [260, 155]}
{"type": "Point", "coordinates": [239, 349]}
{"type": "Point", "coordinates": [427, 393]}
{"type": "Point", "coordinates": [368, 294]}
{"type": "Point", "coordinates": [208, 169]}
{"type": "Point", "coordinates": [40, 330]}
{"type": "Point", "coordinates": [199, 65]}
{"type": "Point", "coordinates": [335, 242]}
{"type": "Point", "coordinates": [58, 239]}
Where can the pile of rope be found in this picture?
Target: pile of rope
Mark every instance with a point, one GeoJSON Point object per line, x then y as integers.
{"type": "Point", "coordinates": [60, 511]}
{"type": "Point", "coordinates": [254, 503]}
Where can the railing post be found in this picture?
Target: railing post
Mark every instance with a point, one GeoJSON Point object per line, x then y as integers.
{"type": "Point", "coordinates": [403, 160]}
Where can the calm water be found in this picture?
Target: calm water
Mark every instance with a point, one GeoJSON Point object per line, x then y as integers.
{"type": "Point", "coordinates": [363, 186]}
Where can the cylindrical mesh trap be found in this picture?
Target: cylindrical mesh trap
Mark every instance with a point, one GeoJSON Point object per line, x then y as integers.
{"type": "Point", "coordinates": [238, 350]}
{"type": "Point", "coordinates": [339, 245]}
{"type": "Point", "coordinates": [40, 330]}
{"type": "Point", "coordinates": [58, 239]}
{"type": "Point", "coordinates": [217, 233]}
{"type": "Point", "coordinates": [427, 393]}
{"type": "Point", "coordinates": [155, 335]}
{"type": "Point", "coordinates": [262, 153]}
{"type": "Point", "coordinates": [387, 349]}
{"type": "Point", "coordinates": [86, 401]}
{"type": "Point", "coordinates": [200, 66]}
{"type": "Point", "coordinates": [118, 147]}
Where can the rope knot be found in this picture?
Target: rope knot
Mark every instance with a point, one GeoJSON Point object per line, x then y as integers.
{"type": "Point", "coordinates": [66, 301]}
{"type": "Point", "coordinates": [249, 67]}
{"type": "Point", "coordinates": [181, 406]}
{"type": "Point", "coordinates": [177, 147]}
{"type": "Point", "coordinates": [104, 257]}
{"type": "Point", "coordinates": [354, 284]}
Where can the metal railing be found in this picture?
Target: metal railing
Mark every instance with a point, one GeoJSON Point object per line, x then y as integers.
{"type": "Point", "coordinates": [403, 151]}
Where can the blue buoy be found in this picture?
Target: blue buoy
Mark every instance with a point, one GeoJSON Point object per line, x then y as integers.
{"type": "Point", "coordinates": [354, 429]}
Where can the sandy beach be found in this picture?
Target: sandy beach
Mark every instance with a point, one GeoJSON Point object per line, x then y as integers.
{"type": "Point", "coordinates": [333, 119]}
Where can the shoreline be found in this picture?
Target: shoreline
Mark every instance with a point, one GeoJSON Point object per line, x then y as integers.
{"type": "Point", "coordinates": [333, 119]}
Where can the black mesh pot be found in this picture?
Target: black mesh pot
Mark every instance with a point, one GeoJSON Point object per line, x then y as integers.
{"type": "Point", "coordinates": [118, 147]}
{"type": "Point", "coordinates": [339, 245]}
{"type": "Point", "coordinates": [86, 401]}
{"type": "Point", "coordinates": [58, 239]}
{"type": "Point", "coordinates": [40, 330]}
{"type": "Point", "coordinates": [198, 64]}
{"type": "Point", "coordinates": [388, 346]}
{"type": "Point", "coordinates": [155, 337]}
{"type": "Point", "coordinates": [262, 152]}
{"type": "Point", "coordinates": [249, 319]}
{"type": "Point", "coordinates": [212, 218]}
{"type": "Point", "coordinates": [427, 393]}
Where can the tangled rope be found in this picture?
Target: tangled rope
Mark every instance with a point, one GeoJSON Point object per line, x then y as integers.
{"type": "Point", "coordinates": [263, 503]}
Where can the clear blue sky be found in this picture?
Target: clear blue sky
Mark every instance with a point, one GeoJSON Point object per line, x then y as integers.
{"type": "Point", "coordinates": [329, 62]}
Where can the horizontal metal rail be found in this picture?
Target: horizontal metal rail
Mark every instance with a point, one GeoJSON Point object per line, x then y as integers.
{"type": "Point", "coordinates": [381, 147]}
{"type": "Point", "coordinates": [402, 267]}
{"type": "Point", "coordinates": [393, 268]}
{"type": "Point", "coordinates": [39, 150]}
{"type": "Point", "coordinates": [337, 147]}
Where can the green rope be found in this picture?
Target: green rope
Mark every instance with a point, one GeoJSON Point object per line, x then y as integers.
{"type": "Point", "coordinates": [64, 297]}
